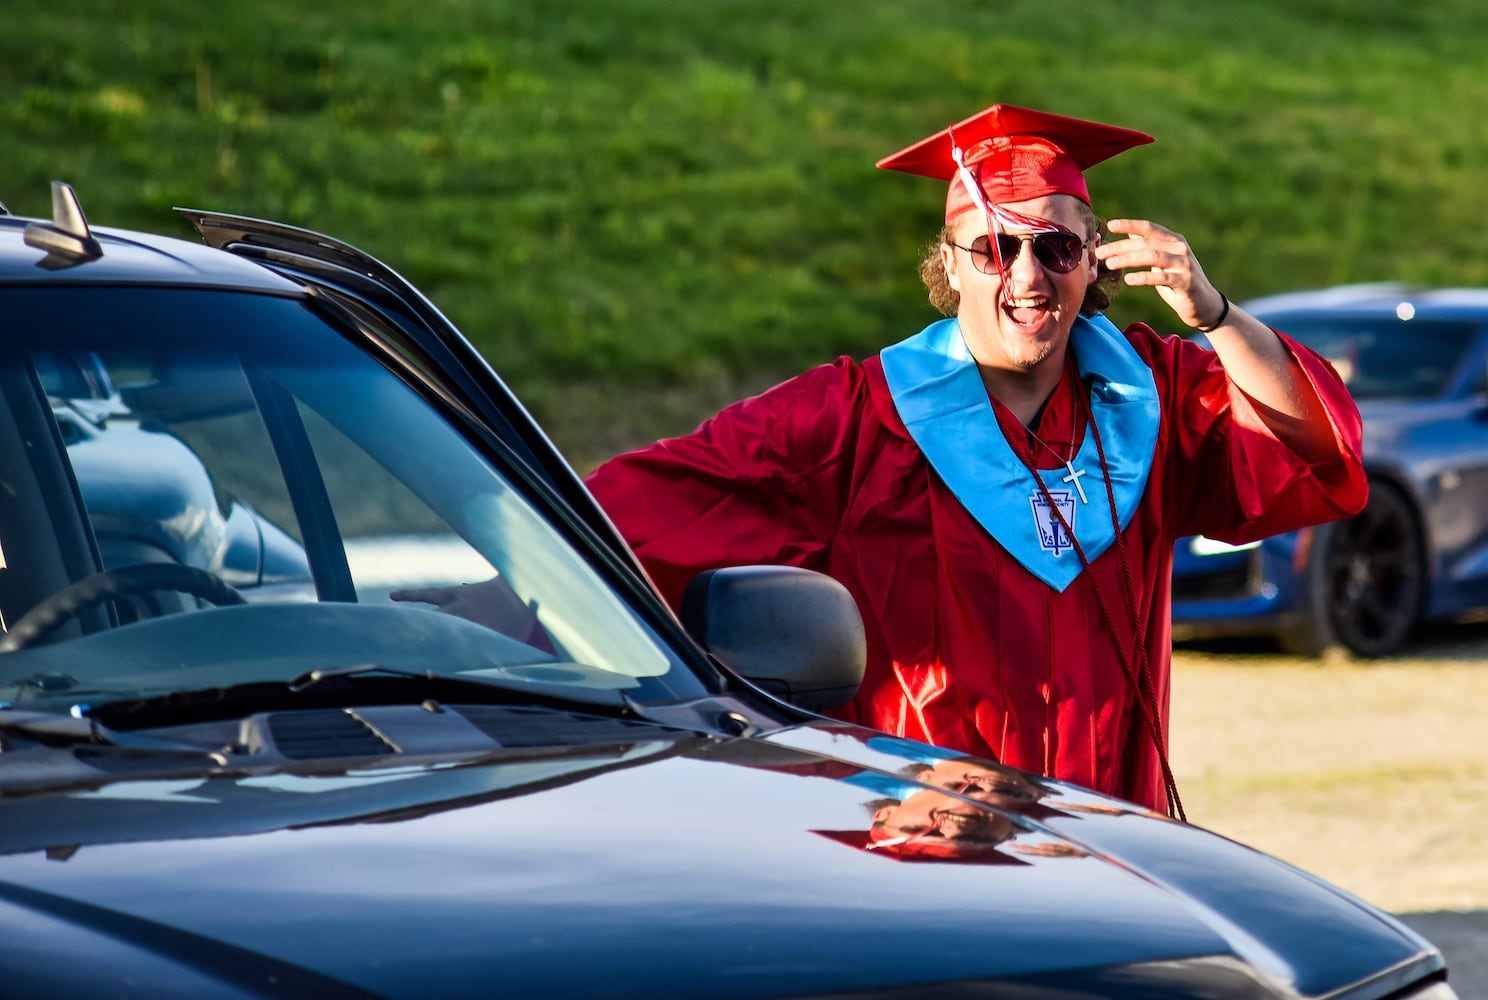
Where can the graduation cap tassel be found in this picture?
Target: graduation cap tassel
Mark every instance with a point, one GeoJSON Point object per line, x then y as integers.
{"type": "Point", "coordinates": [974, 188]}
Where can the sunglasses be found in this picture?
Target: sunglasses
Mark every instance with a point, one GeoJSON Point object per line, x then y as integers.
{"type": "Point", "coordinates": [1060, 252]}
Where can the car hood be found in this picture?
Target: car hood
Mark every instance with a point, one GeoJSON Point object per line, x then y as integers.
{"type": "Point", "coordinates": [670, 864]}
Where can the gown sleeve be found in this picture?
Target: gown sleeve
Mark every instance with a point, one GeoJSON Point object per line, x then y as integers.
{"type": "Point", "coordinates": [763, 481]}
{"type": "Point", "coordinates": [1231, 476]}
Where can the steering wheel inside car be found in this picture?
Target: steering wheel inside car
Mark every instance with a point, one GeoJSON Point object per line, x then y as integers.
{"type": "Point", "coordinates": [77, 597]}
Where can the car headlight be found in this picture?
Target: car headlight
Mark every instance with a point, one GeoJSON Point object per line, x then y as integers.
{"type": "Point", "coordinates": [1201, 546]}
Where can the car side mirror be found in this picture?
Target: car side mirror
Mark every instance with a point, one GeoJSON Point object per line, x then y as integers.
{"type": "Point", "coordinates": [793, 632]}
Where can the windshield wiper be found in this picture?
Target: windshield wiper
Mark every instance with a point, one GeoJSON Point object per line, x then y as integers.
{"type": "Point", "coordinates": [52, 730]}
{"type": "Point", "coordinates": [321, 674]}
{"type": "Point", "coordinates": [457, 685]}
{"type": "Point", "coordinates": [342, 687]}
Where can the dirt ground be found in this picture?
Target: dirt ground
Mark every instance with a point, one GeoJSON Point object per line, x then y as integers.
{"type": "Point", "coordinates": [1371, 774]}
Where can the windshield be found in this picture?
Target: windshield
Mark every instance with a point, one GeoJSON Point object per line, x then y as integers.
{"type": "Point", "coordinates": [1387, 358]}
{"type": "Point", "coordinates": [244, 443]}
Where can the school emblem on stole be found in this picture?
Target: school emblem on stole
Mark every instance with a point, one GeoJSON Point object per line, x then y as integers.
{"type": "Point", "coordinates": [1052, 536]}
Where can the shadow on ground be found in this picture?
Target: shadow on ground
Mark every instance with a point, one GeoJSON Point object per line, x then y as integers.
{"type": "Point", "coordinates": [1430, 642]}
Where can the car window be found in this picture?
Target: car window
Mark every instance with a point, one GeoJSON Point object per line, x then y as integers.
{"type": "Point", "coordinates": [1388, 358]}
{"type": "Point", "coordinates": [71, 376]}
{"type": "Point", "coordinates": [248, 439]}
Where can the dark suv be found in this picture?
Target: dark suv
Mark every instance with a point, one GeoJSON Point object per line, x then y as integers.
{"type": "Point", "coordinates": [241, 753]}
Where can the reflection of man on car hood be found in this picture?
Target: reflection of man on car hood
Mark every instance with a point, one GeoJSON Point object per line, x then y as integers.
{"type": "Point", "coordinates": [979, 779]}
{"type": "Point", "coordinates": [930, 817]}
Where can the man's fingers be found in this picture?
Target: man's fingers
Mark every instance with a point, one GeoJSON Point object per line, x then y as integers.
{"type": "Point", "coordinates": [1149, 258]}
{"type": "Point", "coordinates": [423, 595]}
{"type": "Point", "coordinates": [1139, 227]}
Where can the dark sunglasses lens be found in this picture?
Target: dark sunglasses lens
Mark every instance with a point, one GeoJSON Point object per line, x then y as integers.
{"type": "Point", "coordinates": [1056, 251]}
{"type": "Point", "coordinates": [981, 255]}
{"type": "Point", "coordinates": [1009, 247]}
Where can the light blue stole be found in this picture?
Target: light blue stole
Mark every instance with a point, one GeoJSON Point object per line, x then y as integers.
{"type": "Point", "coordinates": [940, 396]}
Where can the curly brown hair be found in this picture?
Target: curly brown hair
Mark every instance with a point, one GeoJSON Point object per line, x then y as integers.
{"type": "Point", "coordinates": [943, 297]}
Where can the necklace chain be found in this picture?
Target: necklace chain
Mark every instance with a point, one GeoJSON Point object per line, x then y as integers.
{"type": "Point", "coordinates": [1068, 460]}
{"type": "Point", "coordinates": [1063, 459]}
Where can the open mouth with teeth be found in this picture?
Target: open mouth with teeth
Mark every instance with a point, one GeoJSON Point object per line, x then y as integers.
{"type": "Point", "coordinates": [954, 824]}
{"type": "Point", "coordinates": [1027, 312]}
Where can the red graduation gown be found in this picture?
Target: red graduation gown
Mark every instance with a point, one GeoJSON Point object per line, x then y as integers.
{"type": "Point", "coordinates": [966, 648]}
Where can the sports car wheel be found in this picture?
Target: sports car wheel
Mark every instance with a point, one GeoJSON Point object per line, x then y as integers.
{"type": "Point", "coordinates": [80, 595]}
{"type": "Point", "coordinates": [1368, 577]}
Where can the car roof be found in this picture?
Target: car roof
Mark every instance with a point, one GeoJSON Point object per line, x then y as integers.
{"type": "Point", "coordinates": [124, 257]}
{"type": "Point", "coordinates": [1376, 298]}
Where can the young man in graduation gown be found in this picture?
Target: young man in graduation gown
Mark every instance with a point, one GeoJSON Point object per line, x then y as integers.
{"type": "Point", "coordinates": [1001, 492]}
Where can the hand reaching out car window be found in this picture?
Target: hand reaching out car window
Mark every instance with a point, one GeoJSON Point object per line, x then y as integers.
{"type": "Point", "coordinates": [492, 603]}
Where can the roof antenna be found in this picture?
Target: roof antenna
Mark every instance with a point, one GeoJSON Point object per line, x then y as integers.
{"type": "Point", "coordinates": [67, 238]}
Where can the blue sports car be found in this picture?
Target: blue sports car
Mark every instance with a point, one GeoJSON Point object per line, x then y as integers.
{"type": "Point", "coordinates": [1416, 360]}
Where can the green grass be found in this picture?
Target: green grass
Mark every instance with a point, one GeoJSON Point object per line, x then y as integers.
{"type": "Point", "coordinates": [638, 208]}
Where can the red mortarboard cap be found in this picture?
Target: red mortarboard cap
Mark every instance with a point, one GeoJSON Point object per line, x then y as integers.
{"type": "Point", "coordinates": [1016, 153]}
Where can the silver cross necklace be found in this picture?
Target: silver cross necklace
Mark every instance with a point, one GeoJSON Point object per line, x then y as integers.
{"type": "Point", "coordinates": [1073, 474]}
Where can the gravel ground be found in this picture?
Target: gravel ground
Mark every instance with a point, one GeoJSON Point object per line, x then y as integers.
{"type": "Point", "coordinates": [1371, 774]}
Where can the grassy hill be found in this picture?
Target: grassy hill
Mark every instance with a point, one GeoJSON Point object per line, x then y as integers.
{"type": "Point", "coordinates": [640, 208]}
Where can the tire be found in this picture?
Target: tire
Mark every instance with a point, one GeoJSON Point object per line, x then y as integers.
{"type": "Point", "coordinates": [1366, 581]}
